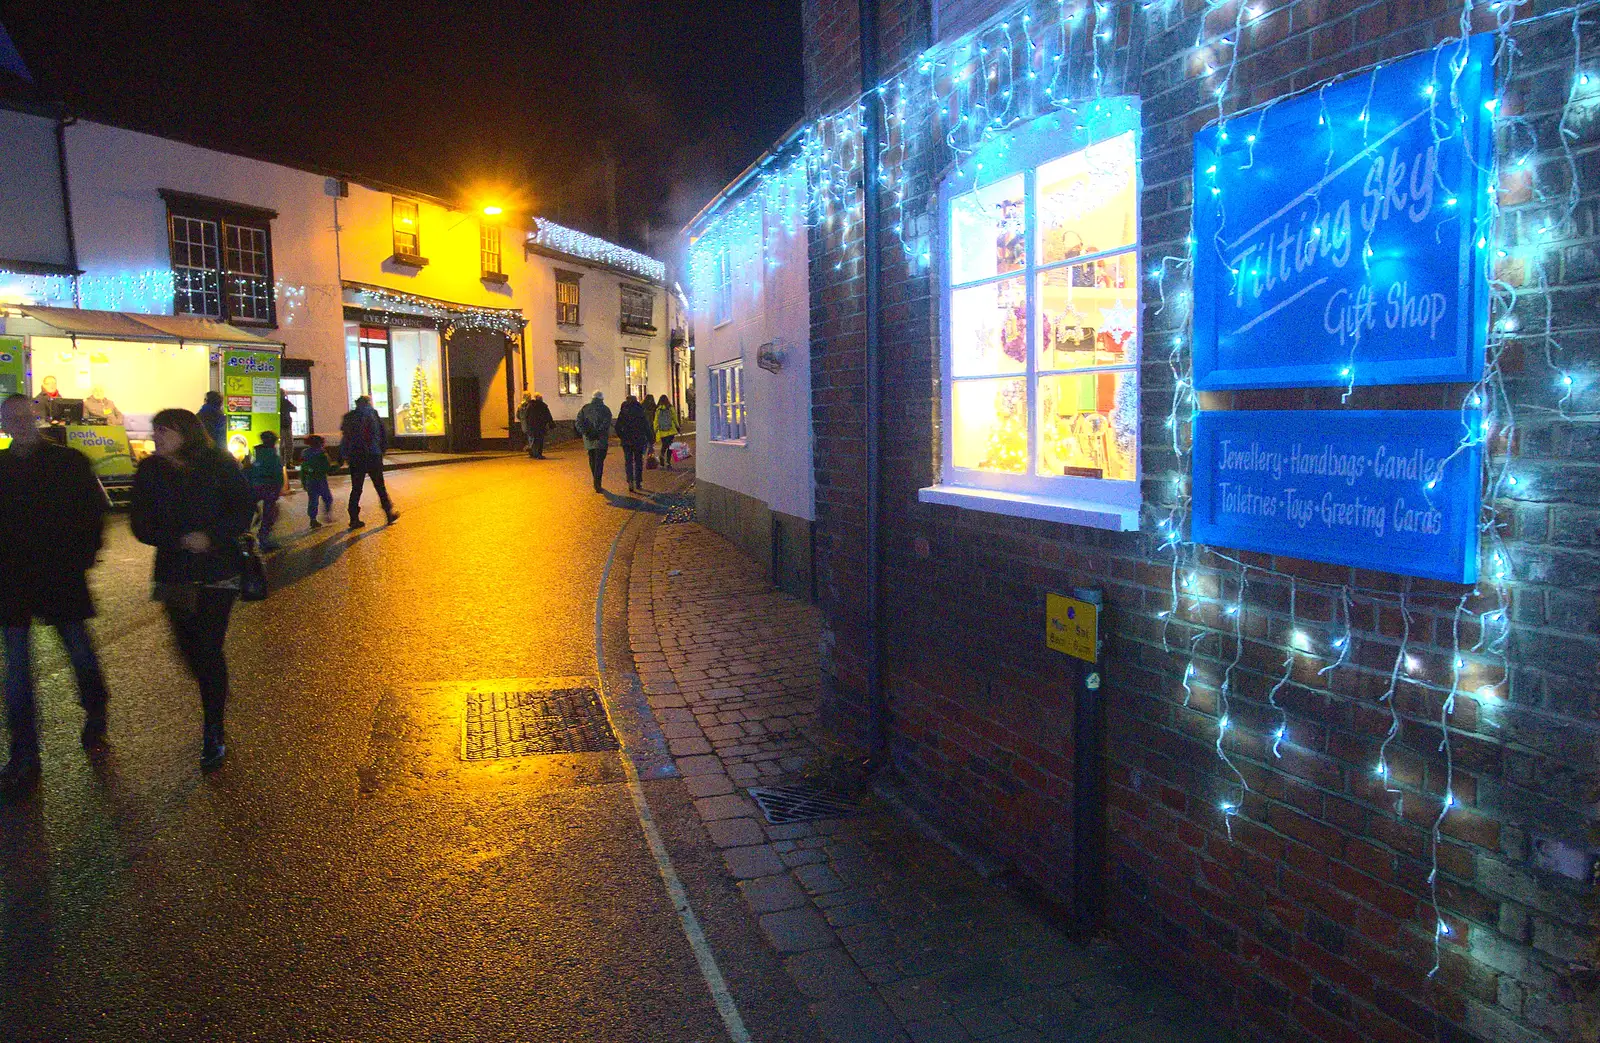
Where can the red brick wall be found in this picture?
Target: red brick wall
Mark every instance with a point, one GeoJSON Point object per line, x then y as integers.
{"type": "Point", "coordinates": [1312, 921]}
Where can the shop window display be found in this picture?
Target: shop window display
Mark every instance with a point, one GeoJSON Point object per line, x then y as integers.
{"type": "Point", "coordinates": [416, 382]}
{"type": "Point", "coordinates": [1052, 245]}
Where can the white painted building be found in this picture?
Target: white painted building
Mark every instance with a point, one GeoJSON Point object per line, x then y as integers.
{"type": "Point", "coordinates": [443, 311]}
{"type": "Point", "coordinates": [752, 321]}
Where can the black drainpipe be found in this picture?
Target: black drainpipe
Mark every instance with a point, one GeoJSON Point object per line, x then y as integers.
{"type": "Point", "coordinates": [62, 124]}
{"type": "Point", "coordinates": [877, 710]}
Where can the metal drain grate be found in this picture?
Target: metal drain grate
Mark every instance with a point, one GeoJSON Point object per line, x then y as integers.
{"type": "Point", "coordinates": [516, 724]}
{"type": "Point", "coordinates": [783, 804]}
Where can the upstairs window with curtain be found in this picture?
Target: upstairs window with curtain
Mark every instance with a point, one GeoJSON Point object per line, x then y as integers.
{"type": "Point", "coordinates": [567, 298]}
{"type": "Point", "coordinates": [407, 229]}
{"type": "Point", "coordinates": [489, 249]}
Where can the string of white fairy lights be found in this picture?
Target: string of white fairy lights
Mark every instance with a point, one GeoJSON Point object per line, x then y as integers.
{"type": "Point", "coordinates": [967, 93]}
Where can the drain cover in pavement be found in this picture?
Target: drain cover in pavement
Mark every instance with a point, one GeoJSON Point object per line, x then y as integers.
{"type": "Point", "coordinates": [516, 724]}
{"type": "Point", "coordinates": [800, 804]}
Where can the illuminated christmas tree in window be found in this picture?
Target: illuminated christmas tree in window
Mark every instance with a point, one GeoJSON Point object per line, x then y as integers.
{"type": "Point", "coordinates": [1008, 437]}
{"type": "Point", "coordinates": [422, 412]}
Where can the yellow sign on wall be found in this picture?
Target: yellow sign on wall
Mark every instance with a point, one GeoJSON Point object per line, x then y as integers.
{"type": "Point", "coordinates": [105, 446]}
{"type": "Point", "coordinates": [1071, 626]}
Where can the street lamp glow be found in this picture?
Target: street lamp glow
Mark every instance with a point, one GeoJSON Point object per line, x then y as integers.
{"type": "Point", "coordinates": [492, 211]}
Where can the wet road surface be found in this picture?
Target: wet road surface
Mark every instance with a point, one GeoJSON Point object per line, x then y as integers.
{"type": "Point", "coordinates": [347, 876]}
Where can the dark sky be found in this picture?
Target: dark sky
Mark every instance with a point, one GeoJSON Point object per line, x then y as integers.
{"type": "Point", "coordinates": [452, 98]}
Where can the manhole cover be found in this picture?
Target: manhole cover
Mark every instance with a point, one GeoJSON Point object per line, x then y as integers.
{"type": "Point", "coordinates": [800, 804]}
{"type": "Point", "coordinates": [516, 724]}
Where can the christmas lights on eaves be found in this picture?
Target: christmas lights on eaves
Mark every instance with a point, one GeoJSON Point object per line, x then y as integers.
{"type": "Point", "coordinates": [587, 247]}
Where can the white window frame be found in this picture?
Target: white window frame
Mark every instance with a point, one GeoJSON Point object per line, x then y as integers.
{"type": "Point", "coordinates": [1096, 502]}
{"type": "Point", "coordinates": [565, 387]}
{"type": "Point", "coordinates": [729, 424]}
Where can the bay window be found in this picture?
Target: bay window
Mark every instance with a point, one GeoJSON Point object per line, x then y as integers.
{"type": "Point", "coordinates": [1040, 281]}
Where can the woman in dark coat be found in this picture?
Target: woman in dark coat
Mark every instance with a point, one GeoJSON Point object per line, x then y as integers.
{"type": "Point", "coordinates": [192, 503]}
{"type": "Point", "coordinates": [635, 434]}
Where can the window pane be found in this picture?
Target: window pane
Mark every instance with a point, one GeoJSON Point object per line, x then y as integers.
{"type": "Point", "coordinates": [1089, 313]}
{"type": "Point", "coordinates": [989, 329]}
{"type": "Point", "coordinates": [416, 378]}
{"type": "Point", "coordinates": [1086, 201]}
{"type": "Point", "coordinates": [991, 424]}
{"type": "Point", "coordinates": [987, 232]}
{"type": "Point", "coordinates": [1088, 425]}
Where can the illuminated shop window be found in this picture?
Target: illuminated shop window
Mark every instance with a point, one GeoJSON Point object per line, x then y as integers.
{"type": "Point", "coordinates": [637, 368]}
{"type": "Point", "coordinates": [1041, 346]}
{"type": "Point", "coordinates": [727, 401]}
{"type": "Point", "coordinates": [569, 371]}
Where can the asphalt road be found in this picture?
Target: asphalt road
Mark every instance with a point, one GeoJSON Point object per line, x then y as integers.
{"type": "Point", "coordinates": [347, 876]}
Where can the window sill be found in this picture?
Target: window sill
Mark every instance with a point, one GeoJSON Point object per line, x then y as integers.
{"type": "Point", "coordinates": [1022, 505]}
{"type": "Point", "coordinates": [739, 442]}
{"type": "Point", "coordinates": [499, 278]}
{"type": "Point", "coordinates": [410, 260]}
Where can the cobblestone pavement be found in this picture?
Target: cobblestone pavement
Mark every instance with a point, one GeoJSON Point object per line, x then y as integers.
{"type": "Point", "coordinates": [889, 935]}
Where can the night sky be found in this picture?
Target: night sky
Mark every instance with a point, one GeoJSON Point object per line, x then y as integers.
{"type": "Point", "coordinates": [508, 98]}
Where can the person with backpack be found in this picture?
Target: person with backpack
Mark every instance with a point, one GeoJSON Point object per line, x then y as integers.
{"type": "Point", "coordinates": [51, 514]}
{"type": "Point", "coordinates": [191, 502]}
{"type": "Point", "coordinates": [666, 430]}
{"type": "Point", "coordinates": [362, 442]}
{"type": "Point", "coordinates": [594, 424]}
{"type": "Point", "coordinates": [634, 431]}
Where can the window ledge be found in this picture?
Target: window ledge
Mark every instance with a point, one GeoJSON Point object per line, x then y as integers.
{"type": "Point", "coordinates": [740, 442]}
{"type": "Point", "coordinates": [1041, 508]}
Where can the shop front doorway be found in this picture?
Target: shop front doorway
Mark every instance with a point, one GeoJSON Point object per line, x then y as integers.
{"type": "Point", "coordinates": [466, 428]}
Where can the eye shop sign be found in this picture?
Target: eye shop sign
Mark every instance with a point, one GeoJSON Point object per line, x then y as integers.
{"type": "Point", "coordinates": [1340, 235]}
{"type": "Point", "coordinates": [1389, 490]}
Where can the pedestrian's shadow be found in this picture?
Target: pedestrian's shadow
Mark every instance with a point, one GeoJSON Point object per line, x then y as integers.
{"type": "Point", "coordinates": [650, 503]}
{"type": "Point", "coordinates": [305, 556]}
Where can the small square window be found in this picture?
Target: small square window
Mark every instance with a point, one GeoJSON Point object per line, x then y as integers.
{"type": "Point", "coordinates": [407, 228]}
{"type": "Point", "coordinates": [638, 309]}
{"type": "Point", "coordinates": [567, 298]}
{"type": "Point", "coordinates": [489, 248]}
{"type": "Point", "coordinates": [569, 371]}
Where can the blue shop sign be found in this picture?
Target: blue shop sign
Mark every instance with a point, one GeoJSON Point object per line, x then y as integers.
{"type": "Point", "coordinates": [1340, 236]}
{"type": "Point", "coordinates": [1388, 490]}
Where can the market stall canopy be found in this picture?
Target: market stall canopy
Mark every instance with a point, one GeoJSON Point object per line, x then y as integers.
{"type": "Point", "coordinates": [121, 325]}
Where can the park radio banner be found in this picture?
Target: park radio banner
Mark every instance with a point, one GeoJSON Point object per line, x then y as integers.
{"type": "Point", "coordinates": [250, 396]}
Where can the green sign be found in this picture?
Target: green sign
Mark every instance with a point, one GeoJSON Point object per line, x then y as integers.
{"type": "Point", "coordinates": [13, 366]}
{"type": "Point", "coordinates": [105, 446]}
{"type": "Point", "coordinates": [250, 390]}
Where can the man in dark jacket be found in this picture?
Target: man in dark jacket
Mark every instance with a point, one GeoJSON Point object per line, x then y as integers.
{"type": "Point", "coordinates": [213, 419]}
{"type": "Point", "coordinates": [536, 421]}
{"type": "Point", "coordinates": [361, 443]}
{"type": "Point", "coordinates": [594, 424]}
{"type": "Point", "coordinates": [636, 434]}
{"type": "Point", "coordinates": [51, 512]}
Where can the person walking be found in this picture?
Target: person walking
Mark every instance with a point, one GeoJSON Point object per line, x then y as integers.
{"type": "Point", "coordinates": [191, 502]}
{"type": "Point", "coordinates": [315, 464]}
{"type": "Point", "coordinates": [635, 433]}
{"type": "Point", "coordinates": [594, 424]}
{"type": "Point", "coordinates": [536, 423]}
{"type": "Point", "coordinates": [666, 430]}
{"type": "Point", "coordinates": [286, 412]}
{"type": "Point", "coordinates": [267, 484]}
{"type": "Point", "coordinates": [362, 444]}
{"type": "Point", "coordinates": [51, 514]}
{"type": "Point", "coordinates": [213, 421]}
{"type": "Point", "coordinates": [650, 411]}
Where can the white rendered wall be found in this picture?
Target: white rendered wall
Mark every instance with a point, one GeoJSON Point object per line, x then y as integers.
{"type": "Point", "coordinates": [34, 227]}
{"type": "Point", "coordinates": [599, 331]}
{"type": "Point", "coordinates": [120, 221]}
{"type": "Point", "coordinates": [770, 304]}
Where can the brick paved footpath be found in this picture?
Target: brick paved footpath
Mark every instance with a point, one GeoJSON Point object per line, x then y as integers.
{"type": "Point", "coordinates": [887, 932]}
